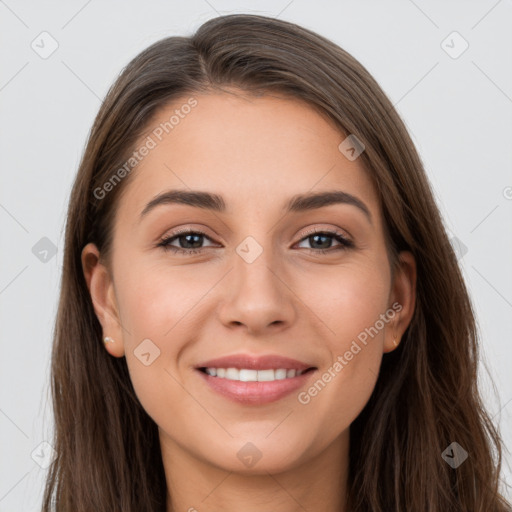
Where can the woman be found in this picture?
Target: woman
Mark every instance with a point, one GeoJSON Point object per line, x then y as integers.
{"type": "Point", "coordinates": [254, 368]}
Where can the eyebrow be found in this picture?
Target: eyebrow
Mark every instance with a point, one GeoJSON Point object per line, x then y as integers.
{"type": "Point", "coordinates": [216, 203]}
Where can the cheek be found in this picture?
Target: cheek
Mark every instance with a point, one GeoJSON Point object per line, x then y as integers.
{"type": "Point", "coordinates": [158, 306]}
{"type": "Point", "coordinates": [352, 304]}
{"type": "Point", "coordinates": [346, 299]}
{"type": "Point", "coordinates": [156, 300]}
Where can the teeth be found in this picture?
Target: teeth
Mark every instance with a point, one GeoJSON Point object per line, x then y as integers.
{"type": "Point", "coordinates": [232, 374]}
{"type": "Point", "coordinates": [246, 375]}
{"type": "Point", "coordinates": [280, 374]}
{"type": "Point", "coordinates": [265, 375]}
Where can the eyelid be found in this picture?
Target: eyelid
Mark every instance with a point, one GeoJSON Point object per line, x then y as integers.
{"type": "Point", "coordinates": [326, 229]}
{"type": "Point", "coordinates": [184, 231]}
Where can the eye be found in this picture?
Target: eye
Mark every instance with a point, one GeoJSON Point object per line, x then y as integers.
{"type": "Point", "coordinates": [193, 239]}
{"type": "Point", "coordinates": [318, 238]}
{"type": "Point", "coordinates": [190, 239]}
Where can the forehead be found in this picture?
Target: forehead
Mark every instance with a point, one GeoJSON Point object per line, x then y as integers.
{"type": "Point", "coordinates": [254, 151]}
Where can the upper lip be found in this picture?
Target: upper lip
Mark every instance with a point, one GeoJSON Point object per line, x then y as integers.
{"type": "Point", "coordinates": [252, 362]}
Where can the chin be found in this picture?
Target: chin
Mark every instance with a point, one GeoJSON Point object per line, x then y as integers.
{"type": "Point", "coordinates": [258, 457]}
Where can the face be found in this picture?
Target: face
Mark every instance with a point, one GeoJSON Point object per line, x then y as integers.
{"type": "Point", "coordinates": [310, 283]}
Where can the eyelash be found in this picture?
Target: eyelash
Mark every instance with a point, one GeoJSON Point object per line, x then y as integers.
{"type": "Point", "coordinates": [339, 237]}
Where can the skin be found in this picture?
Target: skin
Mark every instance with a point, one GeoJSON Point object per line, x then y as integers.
{"type": "Point", "coordinates": [256, 152]}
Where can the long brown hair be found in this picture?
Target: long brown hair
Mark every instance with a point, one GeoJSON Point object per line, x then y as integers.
{"type": "Point", "coordinates": [426, 396]}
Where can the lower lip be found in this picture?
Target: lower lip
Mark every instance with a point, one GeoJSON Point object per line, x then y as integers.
{"type": "Point", "coordinates": [255, 393]}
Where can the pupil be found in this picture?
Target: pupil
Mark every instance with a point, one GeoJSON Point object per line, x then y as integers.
{"type": "Point", "coordinates": [197, 242]}
{"type": "Point", "coordinates": [321, 236]}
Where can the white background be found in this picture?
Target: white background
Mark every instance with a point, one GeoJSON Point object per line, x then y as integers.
{"type": "Point", "coordinates": [458, 111]}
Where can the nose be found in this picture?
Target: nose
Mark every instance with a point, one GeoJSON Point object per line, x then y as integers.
{"type": "Point", "coordinates": [258, 298]}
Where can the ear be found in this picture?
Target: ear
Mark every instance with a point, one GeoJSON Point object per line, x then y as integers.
{"type": "Point", "coordinates": [403, 296]}
{"type": "Point", "coordinates": [101, 289]}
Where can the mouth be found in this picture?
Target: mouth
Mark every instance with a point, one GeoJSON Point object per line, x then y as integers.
{"type": "Point", "coordinates": [254, 379]}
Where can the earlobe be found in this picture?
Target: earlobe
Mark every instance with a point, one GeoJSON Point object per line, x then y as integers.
{"type": "Point", "coordinates": [396, 339]}
{"type": "Point", "coordinates": [101, 290]}
{"type": "Point", "coordinates": [403, 294]}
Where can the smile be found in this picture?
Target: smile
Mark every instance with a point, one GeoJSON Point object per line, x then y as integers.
{"type": "Point", "coordinates": [254, 379]}
{"type": "Point", "coordinates": [273, 386]}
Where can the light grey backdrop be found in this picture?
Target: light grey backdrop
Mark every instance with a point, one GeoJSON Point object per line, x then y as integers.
{"type": "Point", "coordinates": [445, 65]}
